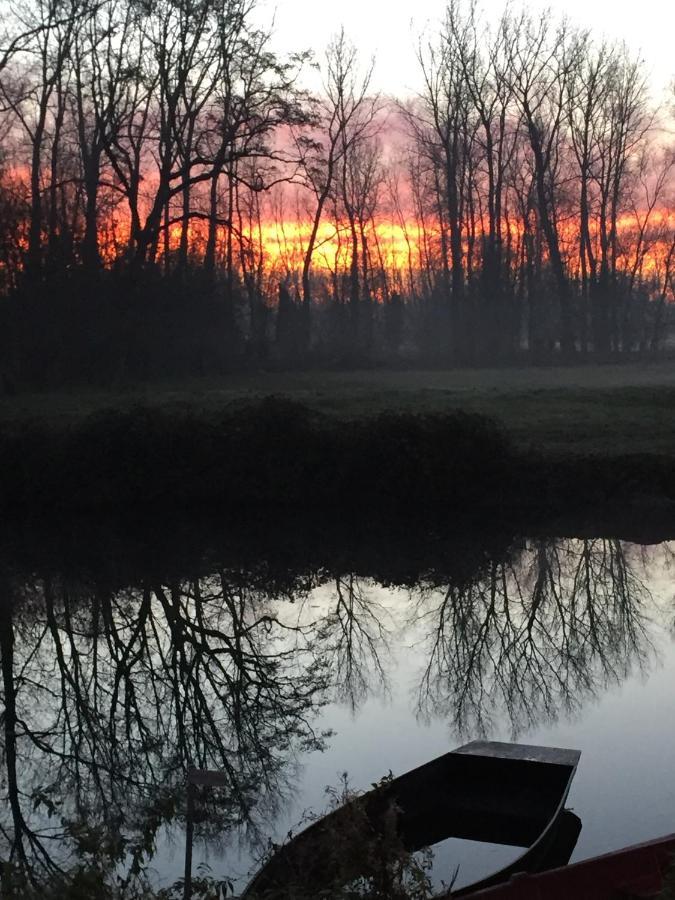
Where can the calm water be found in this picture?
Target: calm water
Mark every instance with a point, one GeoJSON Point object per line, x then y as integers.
{"type": "Point", "coordinates": [286, 678]}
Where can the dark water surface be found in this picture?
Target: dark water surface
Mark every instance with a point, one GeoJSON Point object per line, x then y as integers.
{"type": "Point", "coordinates": [287, 672]}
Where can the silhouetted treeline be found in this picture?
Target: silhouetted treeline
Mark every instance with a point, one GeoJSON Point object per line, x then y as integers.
{"type": "Point", "coordinates": [172, 200]}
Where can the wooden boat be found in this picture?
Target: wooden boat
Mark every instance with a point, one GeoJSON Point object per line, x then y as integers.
{"type": "Point", "coordinates": [499, 793]}
{"type": "Point", "coordinates": [642, 870]}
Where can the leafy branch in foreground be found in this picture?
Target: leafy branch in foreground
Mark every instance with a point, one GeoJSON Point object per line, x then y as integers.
{"type": "Point", "coordinates": [358, 854]}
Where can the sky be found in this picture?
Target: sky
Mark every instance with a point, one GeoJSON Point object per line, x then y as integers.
{"type": "Point", "coordinates": [387, 29]}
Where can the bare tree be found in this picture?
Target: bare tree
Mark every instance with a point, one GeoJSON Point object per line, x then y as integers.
{"type": "Point", "coordinates": [343, 115]}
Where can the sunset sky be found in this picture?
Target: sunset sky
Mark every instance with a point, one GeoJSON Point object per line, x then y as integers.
{"type": "Point", "coordinates": [387, 30]}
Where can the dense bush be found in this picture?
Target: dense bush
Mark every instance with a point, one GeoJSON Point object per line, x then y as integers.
{"type": "Point", "coordinates": [271, 452]}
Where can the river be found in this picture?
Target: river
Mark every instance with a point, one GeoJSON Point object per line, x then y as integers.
{"type": "Point", "coordinates": [291, 672]}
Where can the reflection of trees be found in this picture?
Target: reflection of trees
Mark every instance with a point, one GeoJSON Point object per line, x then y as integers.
{"type": "Point", "coordinates": [110, 696]}
{"type": "Point", "coordinates": [23, 843]}
{"type": "Point", "coordinates": [532, 638]}
{"type": "Point", "coordinates": [668, 565]}
{"type": "Point", "coordinates": [111, 693]}
{"type": "Point", "coordinates": [353, 638]}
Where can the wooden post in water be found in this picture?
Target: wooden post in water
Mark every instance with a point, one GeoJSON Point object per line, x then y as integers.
{"type": "Point", "coordinates": [189, 830]}
{"type": "Point", "coordinates": [205, 778]}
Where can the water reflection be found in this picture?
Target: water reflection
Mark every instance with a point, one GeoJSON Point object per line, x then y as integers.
{"type": "Point", "coordinates": [112, 690]}
{"type": "Point", "coordinates": [352, 635]}
{"type": "Point", "coordinates": [535, 636]}
{"type": "Point", "coordinates": [110, 696]}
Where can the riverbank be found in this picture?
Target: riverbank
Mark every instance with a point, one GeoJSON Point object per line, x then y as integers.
{"type": "Point", "coordinates": [610, 409]}
{"type": "Point", "coordinates": [383, 443]}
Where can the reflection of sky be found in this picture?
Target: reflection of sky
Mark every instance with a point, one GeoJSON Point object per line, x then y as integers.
{"type": "Point", "coordinates": [624, 791]}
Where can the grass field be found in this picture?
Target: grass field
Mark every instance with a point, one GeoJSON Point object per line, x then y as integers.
{"type": "Point", "coordinates": [594, 409]}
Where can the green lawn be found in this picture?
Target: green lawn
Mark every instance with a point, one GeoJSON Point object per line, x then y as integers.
{"type": "Point", "coordinates": [609, 409]}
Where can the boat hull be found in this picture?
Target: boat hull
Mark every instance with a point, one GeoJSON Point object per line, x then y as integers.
{"type": "Point", "coordinates": [637, 871]}
{"type": "Point", "coordinates": [493, 792]}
